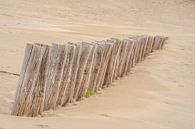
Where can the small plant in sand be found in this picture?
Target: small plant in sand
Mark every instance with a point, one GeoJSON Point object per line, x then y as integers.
{"type": "Point", "coordinates": [89, 93]}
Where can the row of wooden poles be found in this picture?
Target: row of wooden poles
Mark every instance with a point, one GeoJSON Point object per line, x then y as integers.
{"type": "Point", "coordinates": [53, 76]}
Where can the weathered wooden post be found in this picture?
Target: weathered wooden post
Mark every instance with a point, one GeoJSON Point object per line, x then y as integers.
{"type": "Point", "coordinates": [139, 53]}
{"type": "Point", "coordinates": [73, 56]}
{"type": "Point", "coordinates": [128, 57]}
{"type": "Point", "coordinates": [131, 52]}
{"type": "Point", "coordinates": [85, 54]}
{"type": "Point", "coordinates": [147, 49]}
{"type": "Point", "coordinates": [30, 90]}
{"type": "Point", "coordinates": [87, 77]}
{"type": "Point", "coordinates": [75, 67]}
{"type": "Point", "coordinates": [132, 56]}
{"type": "Point", "coordinates": [112, 62]}
{"type": "Point", "coordinates": [57, 55]}
{"type": "Point", "coordinates": [154, 44]}
{"type": "Point", "coordinates": [135, 57]}
{"type": "Point", "coordinates": [151, 42]}
{"type": "Point", "coordinates": [144, 42]}
{"type": "Point", "coordinates": [118, 59]}
{"type": "Point", "coordinates": [66, 75]}
{"type": "Point", "coordinates": [107, 49]}
{"type": "Point", "coordinates": [163, 39]}
{"type": "Point", "coordinates": [123, 55]}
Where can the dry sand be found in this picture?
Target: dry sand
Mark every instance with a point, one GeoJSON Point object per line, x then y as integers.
{"type": "Point", "coordinates": [160, 94]}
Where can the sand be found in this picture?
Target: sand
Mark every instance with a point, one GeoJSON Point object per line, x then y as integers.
{"type": "Point", "coordinates": [159, 93]}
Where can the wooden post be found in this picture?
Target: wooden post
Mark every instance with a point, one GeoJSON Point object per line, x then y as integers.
{"type": "Point", "coordinates": [54, 70]}
{"type": "Point", "coordinates": [139, 49]}
{"type": "Point", "coordinates": [154, 44]}
{"type": "Point", "coordinates": [151, 42]}
{"type": "Point", "coordinates": [87, 74]}
{"type": "Point", "coordinates": [148, 44]}
{"type": "Point", "coordinates": [135, 53]}
{"type": "Point", "coordinates": [144, 45]}
{"type": "Point", "coordinates": [118, 58]}
{"type": "Point", "coordinates": [66, 75]}
{"type": "Point", "coordinates": [98, 60]}
{"type": "Point", "coordinates": [107, 56]}
{"type": "Point", "coordinates": [30, 89]}
{"type": "Point", "coordinates": [39, 91]}
{"type": "Point", "coordinates": [112, 61]}
{"type": "Point", "coordinates": [106, 51]}
{"type": "Point", "coordinates": [135, 60]}
{"type": "Point", "coordinates": [128, 57]}
{"type": "Point", "coordinates": [161, 40]}
{"type": "Point", "coordinates": [123, 55]}
{"type": "Point", "coordinates": [82, 73]}
{"type": "Point", "coordinates": [131, 58]}
{"type": "Point", "coordinates": [75, 68]}
{"type": "Point", "coordinates": [72, 68]}
{"type": "Point", "coordinates": [95, 68]}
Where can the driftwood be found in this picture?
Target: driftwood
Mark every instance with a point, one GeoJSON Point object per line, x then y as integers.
{"type": "Point", "coordinates": [53, 76]}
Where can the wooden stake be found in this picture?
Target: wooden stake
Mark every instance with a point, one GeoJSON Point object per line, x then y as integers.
{"type": "Point", "coordinates": [75, 68]}
{"type": "Point", "coordinates": [66, 75]}
{"type": "Point", "coordinates": [85, 53]}
{"type": "Point", "coordinates": [54, 70]}
{"type": "Point", "coordinates": [30, 89]}
{"type": "Point", "coordinates": [87, 74]}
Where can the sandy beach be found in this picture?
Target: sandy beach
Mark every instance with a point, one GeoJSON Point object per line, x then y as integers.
{"type": "Point", "coordinates": [159, 92]}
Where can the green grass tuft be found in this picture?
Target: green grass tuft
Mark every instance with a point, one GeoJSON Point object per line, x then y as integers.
{"type": "Point", "coordinates": [89, 93]}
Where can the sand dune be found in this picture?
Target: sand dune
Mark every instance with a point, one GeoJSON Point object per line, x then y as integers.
{"type": "Point", "coordinates": [159, 93]}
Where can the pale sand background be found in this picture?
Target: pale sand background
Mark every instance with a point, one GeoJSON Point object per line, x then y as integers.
{"type": "Point", "coordinates": [160, 94]}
